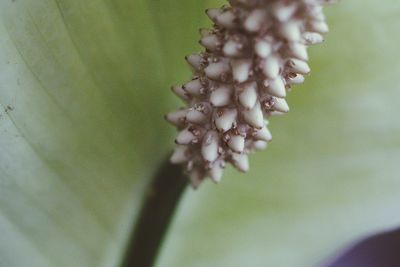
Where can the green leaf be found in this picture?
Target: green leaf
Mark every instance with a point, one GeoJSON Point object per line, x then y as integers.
{"type": "Point", "coordinates": [84, 86]}
{"type": "Point", "coordinates": [83, 89]}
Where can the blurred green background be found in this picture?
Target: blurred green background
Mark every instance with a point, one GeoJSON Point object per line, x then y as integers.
{"type": "Point", "coordinates": [83, 89]}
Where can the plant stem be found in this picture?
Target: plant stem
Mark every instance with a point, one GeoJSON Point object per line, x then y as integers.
{"type": "Point", "coordinates": [159, 204]}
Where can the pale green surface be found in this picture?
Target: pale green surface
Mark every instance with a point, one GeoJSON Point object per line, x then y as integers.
{"type": "Point", "coordinates": [88, 83]}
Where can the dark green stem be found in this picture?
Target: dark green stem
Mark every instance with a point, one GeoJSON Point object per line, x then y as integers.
{"type": "Point", "coordinates": [160, 202]}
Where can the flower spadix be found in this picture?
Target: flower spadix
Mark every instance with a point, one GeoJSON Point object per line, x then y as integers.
{"type": "Point", "coordinates": [255, 52]}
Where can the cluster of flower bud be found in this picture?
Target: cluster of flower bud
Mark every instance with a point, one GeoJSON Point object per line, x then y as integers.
{"type": "Point", "coordinates": [255, 52]}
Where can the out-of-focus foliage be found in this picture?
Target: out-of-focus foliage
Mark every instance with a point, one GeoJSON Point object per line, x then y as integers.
{"type": "Point", "coordinates": [83, 87]}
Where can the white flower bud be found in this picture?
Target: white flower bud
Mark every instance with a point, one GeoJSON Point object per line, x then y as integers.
{"type": "Point", "coordinates": [221, 96]}
{"type": "Point", "coordinates": [263, 48]}
{"type": "Point", "coordinates": [241, 162]}
{"type": "Point", "coordinates": [271, 67]}
{"type": "Point", "coordinates": [225, 119]}
{"type": "Point", "coordinates": [185, 137]}
{"type": "Point", "coordinates": [316, 13]}
{"type": "Point", "coordinates": [284, 11]}
{"type": "Point", "coordinates": [264, 134]}
{"type": "Point", "coordinates": [298, 66]}
{"type": "Point", "coordinates": [231, 48]}
{"type": "Point", "coordinates": [178, 90]}
{"type": "Point", "coordinates": [195, 116]}
{"type": "Point", "coordinates": [254, 116]}
{"type": "Point", "coordinates": [176, 117]}
{"type": "Point", "coordinates": [213, 13]}
{"type": "Point", "coordinates": [195, 61]}
{"type": "Point", "coordinates": [241, 69]}
{"type": "Point", "coordinates": [217, 170]}
{"type": "Point", "coordinates": [319, 26]}
{"type": "Point", "coordinates": [216, 71]}
{"type": "Point", "coordinates": [260, 145]}
{"type": "Point", "coordinates": [255, 20]}
{"type": "Point", "coordinates": [236, 143]}
{"type": "Point", "coordinates": [276, 87]}
{"type": "Point", "coordinates": [281, 105]}
{"type": "Point", "coordinates": [299, 51]}
{"type": "Point", "coordinates": [312, 38]}
{"type": "Point", "coordinates": [209, 147]}
{"type": "Point", "coordinates": [226, 19]}
{"type": "Point", "coordinates": [193, 87]}
{"type": "Point", "coordinates": [291, 31]}
{"type": "Point", "coordinates": [298, 79]}
{"type": "Point", "coordinates": [210, 42]}
{"type": "Point", "coordinates": [248, 97]}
